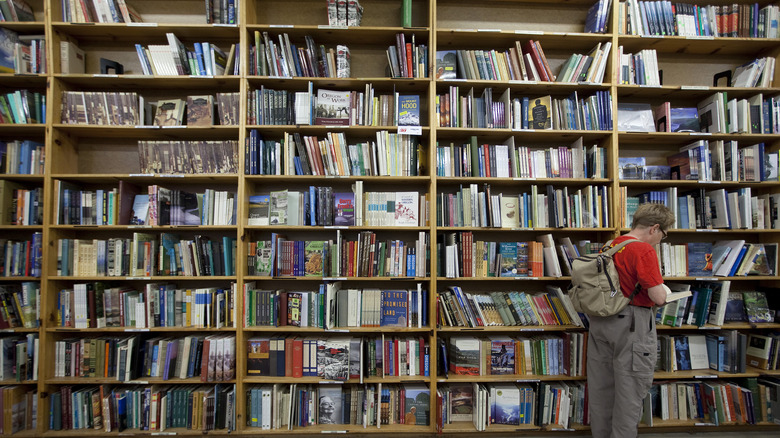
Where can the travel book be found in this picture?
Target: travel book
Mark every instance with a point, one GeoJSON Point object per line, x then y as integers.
{"type": "Point", "coordinates": [332, 108]}
{"type": "Point", "coordinates": [408, 110]}
{"type": "Point", "coordinates": [200, 110]}
{"type": "Point", "coordinates": [446, 64]}
{"type": "Point", "coordinates": [258, 209]}
{"type": "Point", "coordinates": [169, 112]}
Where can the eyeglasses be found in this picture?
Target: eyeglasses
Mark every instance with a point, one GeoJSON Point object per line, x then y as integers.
{"type": "Point", "coordinates": [664, 233]}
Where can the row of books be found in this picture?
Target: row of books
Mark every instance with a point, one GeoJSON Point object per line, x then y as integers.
{"type": "Point", "coordinates": [22, 157]}
{"type": "Point", "coordinates": [523, 62]}
{"type": "Point", "coordinates": [458, 308]}
{"type": "Point", "coordinates": [407, 59]}
{"type": "Point", "coordinates": [638, 69]}
{"type": "Point", "coordinates": [22, 54]}
{"type": "Point", "coordinates": [344, 12]}
{"type": "Point", "coordinates": [719, 114]}
{"type": "Point", "coordinates": [724, 351]}
{"type": "Point", "coordinates": [518, 113]}
{"type": "Point", "coordinates": [173, 59]}
{"type": "Point", "coordinates": [497, 403]}
{"type": "Point", "coordinates": [543, 355]}
{"type": "Point", "coordinates": [20, 358]}
{"type": "Point", "coordinates": [297, 406]}
{"type": "Point", "coordinates": [20, 411]}
{"type": "Point", "coordinates": [697, 259]}
{"type": "Point", "coordinates": [588, 68]}
{"type": "Point", "coordinates": [332, 107]}
{"type": "Point", "coordinates": [143, 408]}
{"type": "Point", "coordinates": [16, 10]}
{"type": "Point", "coordinates": [711, 401]}
{"type": "Point", "coordinates": [21, 258]}
{"type": "Point", "coordinates": [332, 307]}
{"type": "Point", "coordinates": [145, 255]}
{"type": "Point", "coordinates": [667, 18]}
{"type": "Point", "coordinates": [20, 305]}
{"type": "Point", "coordinates": [338, 359]}
{"type": "Point", "coordinates": [367, 256]}
{"type": "Point", "coordinates": [94, 305]}
{"type": "Point", "coordinates": [759, 72]}
{"type": "Point", "coordinates": [22, 107]}
{"type": "Point", "coordinates": [763, 351]}
{"type": "Point", "coordinates": [99, 11]}
{"type": "Point", "coordinates": [195, 111]}
{"type": "Point", "coordinates": [321, 206]}
{"type": "Point", "coordinates": [120, 108]}
{"type": "Point", "coordinates": [509, 160]}
{"type": "Point", "coordinates": [212, 358]}
{"type": "Point", "coordinates": [20, 206]}
{"type": "Point", "coordinates": [700, 209]}
{"type": "Point", "coordinates": [188, 156]}
{"type": "Point", "coordinates": [172, 206]}
{"type": "Point", "coordinates": [267, 58]}
{"type": "Point", "coordinates": [714, 303]}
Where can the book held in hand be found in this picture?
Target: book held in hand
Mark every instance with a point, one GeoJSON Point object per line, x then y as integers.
{"type": "Point", "coordinates": [674, 296]}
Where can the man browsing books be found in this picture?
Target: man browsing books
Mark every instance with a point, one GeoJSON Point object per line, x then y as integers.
{"type": "Point", "coordinates": [622, 347]}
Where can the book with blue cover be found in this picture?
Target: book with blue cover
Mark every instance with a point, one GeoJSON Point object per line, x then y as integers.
{"type": "Point", "coordinates": [506, 408]}
{"type": "Point", "coordinates": [417, 405]}
{"type": "Point", "coordinates": [700, 259]}
{"type": "Point", "coordinates": [394, 308]}
{"type": "Point", "coordinates": [508, 252]}
{"type": "Point", "coordinates": [408, 110]}
{"type": "Point", "coordinates": [502, 356]}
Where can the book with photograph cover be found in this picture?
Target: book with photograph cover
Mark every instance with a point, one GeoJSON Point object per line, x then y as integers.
{"type": "Point", "coordinates": [461, 402]}
{"type": "Point", "coordinates": [682, 353]}
{"type": "Point", "coordinates": [502, 357]}
{"type": "Point", "coordinates": [756, 307]}
{"type": "Point", "coordinates": [169, 112]}
{"type": "Point", "coordinates": [314, 258]}
{"type": "Point", "coordinates": [200, 110]}
{"type": "Point", "coordinates": [409, 110]}
{"type": "Point", "coordinates": [631, 167]}
{"type": "Point", "coordinates": [508, 254]}
{"type": "Point", "coordinates": [700, 259]}
{"type": "Point", "coordinates": [464, 356]}
{"type": "Point", "coordinates": [417, 404]}
{"type": "Point", "coordinates": [685, 120]}
{"type": "Point", "coordinates": [330, 405]}
{"type": "Point", "coordinates": [8, 40]}
{"type": "Point", "coordinates": [258, 209]}
{"type": "Point", "coordinates": [139, 214]}
{"type": "Point", "coordinates": [540, 113]}
{"type": "Point", "coordinates": [446, 64]}
{"type": "Point", "coordinates": [765, 260]}
{"type": "Point", "coordinates": [277, 210]}
{"type": "Point", "coordinates": [332, 108]}
{"type": "Point", "coordinates": [344, 209]}
{"type": "Point", "coordinates": [658, 172]}
{"type": "Point", "coordinates": [258, 357]}
{"type": "Point", "coordinates": [333, 358]}
{"type": "Point", "coordinates": [506, 409]}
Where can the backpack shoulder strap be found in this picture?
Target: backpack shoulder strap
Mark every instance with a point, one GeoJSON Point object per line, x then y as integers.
{"type": "Point", "coordinates": [613, 249]}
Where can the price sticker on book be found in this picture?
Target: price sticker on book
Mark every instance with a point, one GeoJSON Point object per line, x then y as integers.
{"type": "Point", "coordinates": [410, 130]}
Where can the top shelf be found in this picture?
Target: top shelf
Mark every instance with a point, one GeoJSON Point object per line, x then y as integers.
{"type": "Point", "coordinates": [698, 45]}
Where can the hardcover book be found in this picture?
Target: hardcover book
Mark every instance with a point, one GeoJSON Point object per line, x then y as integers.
{"type": "Point", "coordinates": [540, 113]}
{"type": "Point", "coordinates": [344, 209]}
{"type": "Point", "coordinates": [333, 358]}
{"type": "Point", "coordinates": [461, 402]}
{"type": "Point", "coordinates": [464, 356]}
{"type": "Point", "coordinates": [408, 110]}
{"type": "Point", "coordinates": [200, 110]}
{"type": "Point", "coordinates": [314, 258]}
{"type": "Point", "coordinates": [506, 409]}
{"type": "Point", "coordinates": [330, 405]}
{"type": "Point", "coordinates": [332, 108]}
{"type": "Point", "coordinates": [417, 405]}
{"type": "Point", "coordinates": [258, 210]}
{"type": "Point", "coordinates": [169, 112]}
{"type": "Point", "coordinates": [446, 64]}
{"type": "Point", "coordinates": [700, 259]}
{"type": "Point", "coordinates": [394, 308]}
{"type": "Point", "coordinates": [258, 357]}
{"type": "Point", "coordinates": [502, 357]}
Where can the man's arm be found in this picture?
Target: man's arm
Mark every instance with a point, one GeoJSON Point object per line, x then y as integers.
{"type": "Point", "coordinates": [657, 294]}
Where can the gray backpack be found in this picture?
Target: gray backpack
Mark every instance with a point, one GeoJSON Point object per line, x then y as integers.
{"type": "Point", "coordinates": [595, 286]}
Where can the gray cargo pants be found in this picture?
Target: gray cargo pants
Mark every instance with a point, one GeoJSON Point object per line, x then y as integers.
{"type": "Point", "coordinates": [620, 370]}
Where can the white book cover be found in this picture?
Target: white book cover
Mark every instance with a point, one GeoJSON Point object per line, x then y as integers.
{"type": "Point", "coordinates": [407, 209]}
{"type": "Point", "coordinates": [697, 346]}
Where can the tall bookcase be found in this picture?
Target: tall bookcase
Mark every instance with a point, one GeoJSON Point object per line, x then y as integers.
{"type": "Point", "coordinates": [98, 157]}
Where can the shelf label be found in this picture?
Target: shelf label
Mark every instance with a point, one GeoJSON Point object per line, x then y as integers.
{"type": "Point", "coordinates": [708, 230]}
{"type": "Point", "coordinates": [137, 382]}
{"type": "Point", "coordinates": [174, 127]}
{"type": "Point", "coordinates": [457, 80]}
{"type": "Point", "coordinates": [401, 278]}
{"type": "Point", "coordinates": [702, 133]}
{"type": "Point", "coordinates": [334, 431]}
{"type": "Point", "coordinates": [131, 24]}
{"type": "Point", "coordinates": [710, 182]}
{"type": "Point", "coordinates": [488, 30]}
{"type": "Point", "coordinates": [138, 278]}
{"type": "Point", "coordinates": [139, 226]}
{"type": "Point", "coordinates": [286, 26]}
{"type": "Point", "coordinates": [104, 76]}
{"type": "Point", "coordinates": [147, 127]}
{"type": "Point", "coordinates": [334, 278]}
{"type": "Point", "coordinates": [137, 330]}
{"type": "Point", "coordinates": [521, 82]}
{"type": "Point", "coordinates": [336, 227]}
{"type": "Point", "coordinates": [700, 37]}
{"type": "Point", "coordinates": [335, 126]}
{"type": "Point", "coordinates": [410, 130]}
{"type": "Point", "coordinates": [706, 279]}
{"type": "Point", "coordinates": [170, 175]}
{"type": "Point", "coordinates": [338, 331]}
{"type": "Point", "coordinates": [140, 174]}
{"type": "Point", "coordinates": [649, 86]}
{"type": "Point", "coordinates": [339, 382]}
{"type": "Point", "coordinates": [531, 329]}
{"type": "Point", "coordinates": [710, 327]}
{"type": "Point", "coordinates": [7, 331]}
{"type": "Point", "coordinates": [521, 229]}
{"type": "Point", "coordinates": [703, 424]}
{"type": "Point", "coordinates": [463, 30]}
{"type": "Point", "coordinates": [705, 376]}
{"type": "Point", "coordinates": [529, 32]}
{"type": "Point", "coordinates": [558, 33]}
{"type": "Point", "coordinates": [694, 87]}
{"type": "Point", "coordinates": [326, 26]}
{"type": "Point", "coordinates": [202, 76]}
{"type": "Point", "coordinates": [163, 433]}
{"type": "Point", "coordinates": [278, 77]}
{"type": "Point", "coordinates": [526, 380]}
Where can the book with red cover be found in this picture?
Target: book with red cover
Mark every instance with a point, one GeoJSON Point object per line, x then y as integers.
{"type": "Point", "coordinates": [297, 357]}
{"type": "Point", "coordinates": [530, 48]}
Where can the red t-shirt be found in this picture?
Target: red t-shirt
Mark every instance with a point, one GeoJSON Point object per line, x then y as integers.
{"type": "Point", "coordinates": [637, 262]}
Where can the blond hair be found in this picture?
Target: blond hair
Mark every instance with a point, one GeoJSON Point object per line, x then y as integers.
{"type": "Point", "coordinates": [649, 214]}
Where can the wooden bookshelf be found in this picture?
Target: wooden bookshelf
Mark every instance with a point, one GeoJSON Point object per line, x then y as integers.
{"type": "Point", "coordinates": [102, 156]}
